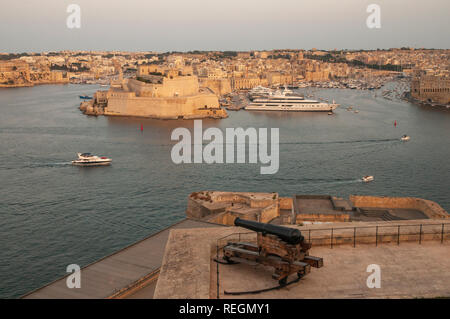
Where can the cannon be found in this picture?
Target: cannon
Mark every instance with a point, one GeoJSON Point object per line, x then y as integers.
{"type": "Point", "coordinates": [289, 235]}
{"type": "Point", "coordinates": [283, 248]}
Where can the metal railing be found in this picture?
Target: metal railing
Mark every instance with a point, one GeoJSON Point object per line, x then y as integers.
{"type": "Point", "coordinates": [436, 230]}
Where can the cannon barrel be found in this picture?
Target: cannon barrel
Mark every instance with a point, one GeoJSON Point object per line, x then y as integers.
{"type": "Point", "coordinates": [289, 235]}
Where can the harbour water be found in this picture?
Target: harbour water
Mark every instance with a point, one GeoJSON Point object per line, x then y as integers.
{"type": "Point", "coordinates": [54, 214]}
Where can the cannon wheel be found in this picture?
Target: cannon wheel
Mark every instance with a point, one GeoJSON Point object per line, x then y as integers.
{"type": "Point", "coordinates": [283, 281]}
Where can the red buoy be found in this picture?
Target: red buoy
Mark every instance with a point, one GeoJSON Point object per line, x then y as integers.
{"type": "Point", "coordinates": [142, 128]}
{"type": "Point", "coordinates": [395, 123]}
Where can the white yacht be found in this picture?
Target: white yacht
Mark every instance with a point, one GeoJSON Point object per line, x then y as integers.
{"type": "Point", "coordinates": [87, 159]}
{"type": "Point", "coordinates": [282, 102]}
{"type": "Point", "coordinates": [259, 91]}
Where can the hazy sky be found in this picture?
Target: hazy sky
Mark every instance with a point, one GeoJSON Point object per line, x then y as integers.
{"type": "Point", "coordinates": [183, 25]}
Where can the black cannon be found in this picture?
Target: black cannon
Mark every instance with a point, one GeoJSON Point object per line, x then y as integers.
{"type": "Point", "coordinates": [289, 235]}
{"type": "Point", "coordinates": [283, 248]}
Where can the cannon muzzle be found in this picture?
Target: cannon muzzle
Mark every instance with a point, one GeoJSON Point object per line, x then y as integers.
{"type": "Point", "coordinates": [289, 235]}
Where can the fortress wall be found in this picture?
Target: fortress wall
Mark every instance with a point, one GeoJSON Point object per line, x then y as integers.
{"type": "Point", "coordinates": [160, 107]}
{"type": "Point", "coordinates": [227, 218]}
{"type": "Point", "coordinates": [183, 85]}
{"type": "Point", "coordinates": [178, 86]}
{"type": "Point", "coordinates": [269, 213]}
{"type": "Point", "coordinates": [232, 197]}
{"type": "Point", "coordinates": [285, 202]}
{"type": "Point", "coordinates": [196, 209]}
{"type": "Point", "coordinates": [219, 87]}
{"type": "Point", "coordinates": [315, 217]}
{"type": "Point", "coordinates": [429, 208]}
{"type": "Point", "coordinates": [261, 203]}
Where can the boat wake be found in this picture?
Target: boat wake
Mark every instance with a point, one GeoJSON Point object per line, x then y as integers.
{"type": "Point", "coordinates": [56, 164]}
{"type": "Point", "coordinates": [317, 181]}
{"type": "Point", "coordinates": [343, 142]}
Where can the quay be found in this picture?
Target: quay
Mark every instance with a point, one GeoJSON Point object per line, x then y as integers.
{"type": "Point", "coordinates": [129, 271]}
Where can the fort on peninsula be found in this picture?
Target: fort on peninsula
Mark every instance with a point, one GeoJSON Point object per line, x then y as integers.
{"type": "Point", "coordinates": [161, 92]}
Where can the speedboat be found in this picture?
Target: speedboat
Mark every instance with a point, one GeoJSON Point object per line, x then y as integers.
{"type": "Point", "coordinates": [367, 178]}
{"type": "Point", "coordinates": [405, 138]}
{"type": "Point", "coordinates": [85, 97]}
{"type": "Point", "coordinates": [87, 159]}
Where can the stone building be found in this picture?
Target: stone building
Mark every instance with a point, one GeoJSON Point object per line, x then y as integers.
{"type": "Point", "coordinates": [144, 70]}
{"type": "Point", "coordinates": [14, 72]}
{"type": "Point", "coordinates": [17, 73]}
{"type": "Point", "coordinates": [246, 83]}
{"type": "Point", "coordinates": [431, 88]}
{"type": "Point", "coordinates": [277, 78]}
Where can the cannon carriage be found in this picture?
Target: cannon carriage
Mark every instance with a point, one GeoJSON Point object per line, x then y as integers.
{"type": "Point", "coordinates": [282, 248]}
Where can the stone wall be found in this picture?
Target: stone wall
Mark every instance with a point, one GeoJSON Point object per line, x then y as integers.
{"type": "Point", "coordinates": [314, 217]}
{"type": "Point", "coordinates": [219, 87]}
{"type": "Point", "coordinates": [268, 213]}
{"type": "Point", "coordinates": [177, 86]}
{"type": "Point", "coordinates": [198, 106]}
{"type": "Point", "coordinates": [224, 207]}
{"type": "Point", "coordinates": [285, 202]}
{"type": "Point", "coordinates": [429, 208]}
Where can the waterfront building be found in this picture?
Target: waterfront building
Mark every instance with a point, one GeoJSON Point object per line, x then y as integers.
{"type": "Point", "coordinates": [17, 73]}
{"type": "Point", "coordinates": [431, 88]}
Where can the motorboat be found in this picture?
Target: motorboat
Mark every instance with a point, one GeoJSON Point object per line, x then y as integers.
{"type": "Point", "coordinates": [367, 178]}
{"type": "Point", "coordinates": [85, 97]}
{"type": "Point", "coordinates": [87, 159]}
{"type": "Point", "coordinates": [405, 138]}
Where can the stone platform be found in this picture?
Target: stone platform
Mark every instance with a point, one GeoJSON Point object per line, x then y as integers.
{"type": "Point", "coordinates": [415, 262]}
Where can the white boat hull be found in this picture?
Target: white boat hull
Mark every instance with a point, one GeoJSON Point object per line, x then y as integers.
{"type": "Point", "coordinates": [367, 179]}
{"type": "Point", "coordinates": [84, 163]}
{"type": "Point", "coordinates": [321, 107]}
